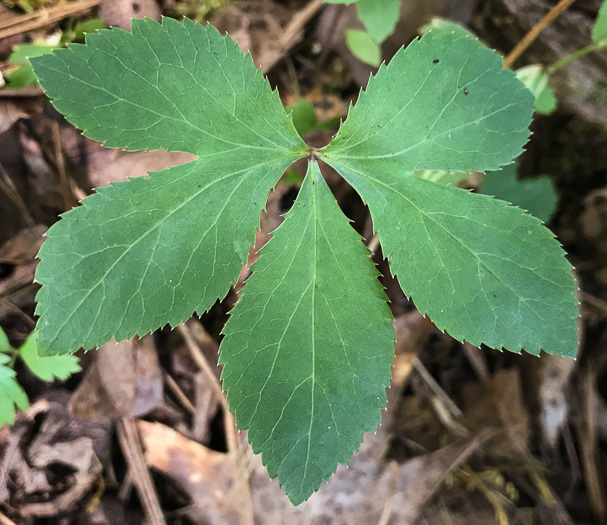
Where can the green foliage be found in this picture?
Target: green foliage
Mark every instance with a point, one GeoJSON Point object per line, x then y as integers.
{"type": "Point", "coordinates": [536, 194]}
{"type": "Point", "coordinates": [12, 395]}
{"type": "Point", "coordinates": [305, 120]}
{"type": "Point", "coordinates": [308, 349]}
{"type": "Point", "coordinates": [363, 46]}
{"type": "Point", "coordinates": [536, 80]}
{"type": "Point", "coordinates": [303, 116]}
{"type": "Point", "coordinates": [47, 368]}
{"type": "Point", "coordinates": [24, 75]}
{"type": "Point", "coordinates": [379, 19]}
{"type": "Point", "coordinates": [599, 31]}
{"type": "Point", "coordinates": [310, 378]}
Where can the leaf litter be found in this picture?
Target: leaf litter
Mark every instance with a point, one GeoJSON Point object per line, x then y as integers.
{"type": "Point", "coordinates": [389, 480]}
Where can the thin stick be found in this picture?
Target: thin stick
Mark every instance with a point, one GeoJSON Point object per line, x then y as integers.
{"type": "Point", "coordinates": [290, 34]}
{"type": "Point", "coordinates": [140, 475]}
{"type": "Point", "coordinates": [598, 303]}
{"type": "Point", "coordinates": [179, 395]}
{"type": "Point", "coordinates": [6, 185]}
{"type": "Point", "coordinates": [232, 439]}
{"type": "Point", "coordinates": [44, 17]}
{"type": "Point", "coordinates": [64, 182]}
{"type": "Point", "coordinates": [6, 521]}
{"type": "Point", "coordinates": [534, 32]}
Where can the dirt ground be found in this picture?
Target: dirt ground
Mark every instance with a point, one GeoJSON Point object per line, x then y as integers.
{"type": "Point", "coordinates": [469, 436]}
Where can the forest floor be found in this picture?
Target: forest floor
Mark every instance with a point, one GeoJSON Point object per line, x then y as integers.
{"type": "Point", "coordinates": [139, 435]}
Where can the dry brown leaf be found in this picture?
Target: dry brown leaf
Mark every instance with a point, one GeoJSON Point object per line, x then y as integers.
{"type": "Point", "coordinates": [13, 108]}
{"type": "Point", "coordinates": [57, 469]}
{"type": "Point", "coordinates": [499, 403]}
{"type": "Point", "coordinates": [23, 246]}
{"type": "Point", "coordinates": [124, 381]}
{"type": "Point", "coordinates": [204, 474]}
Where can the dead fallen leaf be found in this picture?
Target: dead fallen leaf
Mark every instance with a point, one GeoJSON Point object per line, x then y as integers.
{"type": "Point", "coordinates": [23, 246]}
{"type": "Point", "coordinates": [204, 474]}
{"type": "Point", "coordinates": [55, 470]}
{"type": "Point", "coordinates": [124, 381]}
{"type": "Point", "coordinates": [499, 403]}
{"type": "Point", "coordinates": [16, 104]}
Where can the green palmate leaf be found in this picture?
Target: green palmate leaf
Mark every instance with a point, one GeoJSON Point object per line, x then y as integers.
{"type": "Point", "coordinates": [444, 103]}
{"type": "Point", "coordinates": [150, 251]}
{"type": "Point", "coordinates": [309, 346]}
{"type": "Point", "coordinates": [599, 31]}
{"type": "Point", "coordinates": [481, 270]}
{"type": "Point", "coordinates": [11, 394]}
{"type": "Point", "coordinates": [535, 194]}
{"type": "Point", "coordinates": [379, 18]}
{"type": "Point", "coordinates": [47, 368]}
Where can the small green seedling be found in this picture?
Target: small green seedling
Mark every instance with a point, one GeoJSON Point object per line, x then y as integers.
{"type": "Point", "coordinates": [379, 19]}
{"type": "Point", "coordinates": [49, 368]}
{"type": "Point", "coordinates": [24, 75]}
{"type": "Point", "coordinates": [308, 349]}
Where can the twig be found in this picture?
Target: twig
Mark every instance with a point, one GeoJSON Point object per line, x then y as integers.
{"type": "Point", "coordinates": [592, 300]}
{"type": "Point", "coordinates": [588, 441]}
{"type": "Point", "coordinates": [291, 33]}
{"type": "Point", "coordinates": [202, 363]}
{"type": "Point", "coordinates": [534, 32]}
{"type": "Point", "coordinates": [232, 438]}
{"type": "Point", "coordinates": [178, 393]}
{"type": "Point", "coordinates": [7, 186]}
{"type": "Point", "coordinates": [6, 521]}
{"type": "Point", "coordinates": [436, 388]}
{"type": "Point", "coordinates": [477, 361]}
{"type": "Point", "coordinates": [44, 17]}
{"type": "Point", "coordinates": [140, 475]}
{"type": "Point", "coordinates": [66, 190]}
{"type": "Point", "coordinates": [446, 409]}
{"type": "Point", "coordinates": [392, 488]}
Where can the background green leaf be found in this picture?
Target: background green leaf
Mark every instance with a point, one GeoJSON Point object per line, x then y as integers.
{"type": "Point", "coordinates": [363, 46]}
{"type": "Point", "coordinates": [150, 251]}
{"type": "Point", "coordinates": [536, 81]}
{"type": "Point", "coordinates": [534, 194]}
{"type": "Point", "coordinates": [379, 17]}
{"type": "Point", "coordinates": [599, 31]}
{"type": "Point", "coordinates": [47, 368]}
{"type": "Point", "coordinates": [11, 394]}
{"type": "Point", "coordinates": [304, 116]}
{"type": "Point", "coordinates": [309, 346]}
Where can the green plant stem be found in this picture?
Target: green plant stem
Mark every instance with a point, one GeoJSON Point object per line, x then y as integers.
{"type": "Point", "coordinates": [596, 46]}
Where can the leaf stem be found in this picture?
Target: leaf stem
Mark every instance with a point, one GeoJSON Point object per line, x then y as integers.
{"type": "Point", "coordinates": [596, 46]}
{"type": "Point", "coordinates": [534, 32]}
